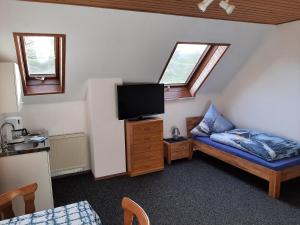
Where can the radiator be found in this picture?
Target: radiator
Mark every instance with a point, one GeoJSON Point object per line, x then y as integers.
{"type": "Point", "coordinates": [69, 153]}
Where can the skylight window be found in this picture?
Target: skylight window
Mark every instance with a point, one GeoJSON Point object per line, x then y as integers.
{"type": "Point", "coordinates": [188, 67]}
{"type": "Point", "coordinates": [183, 62]}
{"type": "Point", "coordinates": [41, 59]}
{"type": "Point", "coordinates": [40, 55]}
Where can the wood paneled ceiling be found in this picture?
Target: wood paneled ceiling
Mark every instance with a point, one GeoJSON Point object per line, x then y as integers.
{"type": "Point", "coordinates": [255, 11]}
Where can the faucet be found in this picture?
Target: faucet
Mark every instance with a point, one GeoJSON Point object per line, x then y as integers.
{"type": "Point", "coordinates": [3, 144]}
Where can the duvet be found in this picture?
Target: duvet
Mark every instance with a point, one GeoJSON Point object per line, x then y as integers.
{"type": "Point", "coordinates": [263, 145]}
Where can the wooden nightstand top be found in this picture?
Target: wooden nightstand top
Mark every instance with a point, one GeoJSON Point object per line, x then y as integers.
{"type": "Point", "coordinates": [171, 140]}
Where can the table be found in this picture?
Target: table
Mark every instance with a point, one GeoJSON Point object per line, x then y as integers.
{"type": "Point", "coordinates": [177, 149]}
{"type": "Point", "coordinates": [76, 213]}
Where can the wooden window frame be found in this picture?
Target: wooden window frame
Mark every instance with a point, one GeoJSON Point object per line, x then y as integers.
{"type": "Point", "coordinates": [190, 88]}
{"type": "Point", "coordinates": [54, 84]}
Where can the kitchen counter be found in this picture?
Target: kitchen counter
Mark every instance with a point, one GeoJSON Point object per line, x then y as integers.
{"type": "Point", "coordinates": [18, 168]}
{"type": "Point", "coordinates": [27, 146]}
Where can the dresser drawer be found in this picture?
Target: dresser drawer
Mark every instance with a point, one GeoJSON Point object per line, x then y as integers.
{"type": "Point", "coordinates": [150, 147]}
{"type": "Point", "coordinates": [147, 156]}
{"type": "Point", "coordinates": [140, 167]}
{"type": "Point", "coordinates": [147, 133]}
{"type": "Point", "coordinates": [148, 128]}
{"type": "Point", "coordinates": [149, 138]}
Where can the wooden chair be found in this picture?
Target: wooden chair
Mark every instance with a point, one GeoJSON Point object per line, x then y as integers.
{"type": "Point", "coordinates": [28, 194]}
{"type": "Point", "coordinates": [132, 209]}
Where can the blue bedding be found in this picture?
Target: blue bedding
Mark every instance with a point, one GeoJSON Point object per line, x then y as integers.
{"type": "Point", "coordinates": [266, 146]}
{"type": "Point", "coordinates": [274, 165]}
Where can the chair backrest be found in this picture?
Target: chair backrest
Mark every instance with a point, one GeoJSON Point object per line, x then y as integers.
{"type": "Point", "coordinates": [132, 209]}
{"type": "Point", "coordinates": [28, 194]}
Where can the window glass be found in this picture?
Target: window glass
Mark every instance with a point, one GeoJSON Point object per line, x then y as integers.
{"type": "Point", "coordinates": [182, 63]}
{"type": "Point", "coordinates": [40, 55]}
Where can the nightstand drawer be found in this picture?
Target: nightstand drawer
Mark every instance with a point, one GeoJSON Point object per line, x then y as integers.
{"type": "Point", "coordinates": [181, 150]}
{"type": "Point", "coordinates": [177, 150]}
{"type": "Point", "coordinates": [181, 147]}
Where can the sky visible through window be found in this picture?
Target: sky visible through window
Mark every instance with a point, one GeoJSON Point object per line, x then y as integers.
{"type": "Point", "coordinates": [40, 55]}
{"type": "Point", "coordinates": [182, 63]}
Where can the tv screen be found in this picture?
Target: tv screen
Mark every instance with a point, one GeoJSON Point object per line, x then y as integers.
{"type": "Point", "coordinates": [137, 100]}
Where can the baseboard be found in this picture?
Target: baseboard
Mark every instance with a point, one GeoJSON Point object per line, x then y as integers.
{"type": "Point", "coordinates": [70, 174]}
{"type": "Point", "coordinates": [69, 170]}
{"type": "Point", "coordinates": [110, 176]}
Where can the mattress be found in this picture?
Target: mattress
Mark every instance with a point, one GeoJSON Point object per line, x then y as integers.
{"type": "Point", "coordinates": [274, 165]}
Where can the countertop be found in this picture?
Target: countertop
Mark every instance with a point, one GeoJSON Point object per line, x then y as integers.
{"type": "Point", "coordinates": [27, 146]}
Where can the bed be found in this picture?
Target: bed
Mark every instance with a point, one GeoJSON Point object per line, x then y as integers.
{"type": "Point", "coordinates": [274, 172]}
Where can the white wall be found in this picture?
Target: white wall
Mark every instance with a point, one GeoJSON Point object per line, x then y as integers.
{"type": "Point", "coordinates": [106, 132]}
{"type": "Point", "coordinates": [177, 111]}
{"type": "Point", "coordinates": [70, 117]}
{"type": "Point", "coordinates": [56, 118]}
{"type": "Point", "coordinates": [265, 95]}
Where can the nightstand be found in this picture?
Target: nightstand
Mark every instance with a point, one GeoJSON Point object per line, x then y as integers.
{"type": "Point", "coordinates": [177, 149]}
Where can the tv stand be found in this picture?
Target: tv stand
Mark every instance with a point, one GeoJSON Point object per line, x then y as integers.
{"type": "Point", "coordinates": [144, 146]}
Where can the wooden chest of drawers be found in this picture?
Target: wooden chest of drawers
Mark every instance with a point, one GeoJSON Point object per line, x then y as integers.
{"type": "Point", "coordinates": [144, 146]}
{"type": "Point", "coordinates": [177, 150]}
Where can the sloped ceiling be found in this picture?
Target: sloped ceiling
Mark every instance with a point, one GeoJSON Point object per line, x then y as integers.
{"type": "Point", "coordinates": [132, 45]}
{"type": "Point", "coordinates": [255, 11]}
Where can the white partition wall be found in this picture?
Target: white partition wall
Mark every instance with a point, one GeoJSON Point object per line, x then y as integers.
{"type": "Point", "coordinates": [106, 132]}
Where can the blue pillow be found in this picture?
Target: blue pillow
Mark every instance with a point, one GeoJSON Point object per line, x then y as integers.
{"type": "Point", "coordinates": [214, 122]}
{"type": "Point", "coordinates": [197, 131]}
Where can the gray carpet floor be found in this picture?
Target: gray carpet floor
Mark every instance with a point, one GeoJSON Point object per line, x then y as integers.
{"type": "Point", "coordinates": [201, 191]}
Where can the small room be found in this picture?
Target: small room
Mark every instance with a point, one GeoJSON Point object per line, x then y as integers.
{"type": "Point", "coordinates": [149, 112]}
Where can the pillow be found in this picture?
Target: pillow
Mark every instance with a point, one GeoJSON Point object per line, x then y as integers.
{"type": "Point", "coordinates": [197, 131]}
{"type": "Point", "coordinates": [221, 124]}
{"type": "Point", "coordinates": [214, 122]}
{"type": "Point", "coordinates": [208, 121]}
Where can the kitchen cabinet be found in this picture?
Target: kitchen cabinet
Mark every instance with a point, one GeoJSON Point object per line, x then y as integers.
{"type": "Point", "coordinates": [10, 88]}
{"type": "Point", "coordinates": [22, 169]}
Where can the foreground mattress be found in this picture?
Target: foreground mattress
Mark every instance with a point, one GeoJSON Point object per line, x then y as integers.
{"type": "Point", "coordinates": [274, 165]}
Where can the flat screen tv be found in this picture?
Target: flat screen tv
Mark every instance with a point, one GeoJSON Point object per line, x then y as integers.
{"type": "Point", "coordinates": [136, 101]}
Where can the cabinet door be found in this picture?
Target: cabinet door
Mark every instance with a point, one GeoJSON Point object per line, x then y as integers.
{"type": "Point", "coordinates": [10, 88]}
{"type": "Point", "coordinates": [20, 170]}
{"type": "Point", "coordinates": [18, 87]}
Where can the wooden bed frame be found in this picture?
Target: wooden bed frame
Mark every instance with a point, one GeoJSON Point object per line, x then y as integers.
{"type": "Point", "coordinates": [274, 177]}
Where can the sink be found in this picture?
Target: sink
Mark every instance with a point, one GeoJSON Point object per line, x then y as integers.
{"type": "Point", "coordinates": [28, 146]}
{"type": "Point", "coordinates": [22, 146]}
